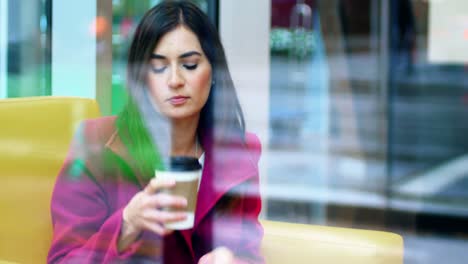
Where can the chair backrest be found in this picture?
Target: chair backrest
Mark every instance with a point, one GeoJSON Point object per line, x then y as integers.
{"type": "Point", "coordinates": [298, 243]}
{"type": "Point", "coordinates": [34, 138]}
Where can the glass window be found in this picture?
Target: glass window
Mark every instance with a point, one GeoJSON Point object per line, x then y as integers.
{"type": "Point", "coordinates": [367, 104]}
{"type": "Point", "coordinates": [367, 119]}
{"type": "Point", "coordinates": [28, 48]}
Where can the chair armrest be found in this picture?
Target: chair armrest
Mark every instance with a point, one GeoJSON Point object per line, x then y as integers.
{"type": "Point", "coordinates": [299, 243]}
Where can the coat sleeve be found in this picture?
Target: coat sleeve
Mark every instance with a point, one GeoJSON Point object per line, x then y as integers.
{"type": "Point", "coordinates": [85, 229]}
{"type": "Point", "coordinates": [252, 231]}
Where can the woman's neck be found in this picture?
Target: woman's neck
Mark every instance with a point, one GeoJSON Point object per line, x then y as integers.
{"type": "Point", "coordinates": [184, 138]}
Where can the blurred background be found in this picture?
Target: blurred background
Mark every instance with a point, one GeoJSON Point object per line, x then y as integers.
{"type": "Point", "coordinates": [361, 105]}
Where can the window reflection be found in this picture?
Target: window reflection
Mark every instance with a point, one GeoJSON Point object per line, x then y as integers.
{"type": "Point", "coordinates": [29, 48]}
{"type": "Point", "coordinates": [366, 130]}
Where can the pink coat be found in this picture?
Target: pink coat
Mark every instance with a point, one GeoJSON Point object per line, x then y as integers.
{"type": "Point", "coordinates": [93, 188]}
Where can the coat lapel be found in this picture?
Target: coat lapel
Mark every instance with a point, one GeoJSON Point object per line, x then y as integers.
{"type": "Point", "coordinates": [115, 144]}
{"type": "Point", "coordinates": [225, 167]}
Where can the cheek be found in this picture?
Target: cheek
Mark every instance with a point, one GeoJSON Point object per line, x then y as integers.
{"type": "Point", "coordinates": [202, 83]}
{"type": "Point", "coordinates": [153, 84]}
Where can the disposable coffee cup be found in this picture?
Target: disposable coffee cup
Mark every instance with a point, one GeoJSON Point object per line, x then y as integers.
{"type": "Point", "coordinates": [186, 172]}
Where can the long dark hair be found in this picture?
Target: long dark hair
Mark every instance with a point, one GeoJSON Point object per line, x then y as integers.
{"type": "Point", "coordinates": [221, 119]}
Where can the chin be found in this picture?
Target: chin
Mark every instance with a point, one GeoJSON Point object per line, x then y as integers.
{"type": "Point", "coordinates": [181, 115]}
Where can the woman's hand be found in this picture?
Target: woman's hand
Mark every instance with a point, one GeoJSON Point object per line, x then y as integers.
{"type": "Point", "coordinates": [144, 212]}
{"type": "Point", "coordinates": [220, 255]}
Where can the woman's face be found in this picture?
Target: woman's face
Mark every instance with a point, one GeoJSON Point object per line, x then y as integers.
{"type": "Point", "coordinates": [179, 78]}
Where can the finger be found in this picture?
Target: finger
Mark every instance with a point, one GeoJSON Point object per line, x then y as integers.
{"type": "Point", "coordinates": [206, 259]}
{"type": "Point", "coordinates": [222, 255]}
{"type": "Point", "coordinates": [163, 217]}
{"type": "Point", "coordinates": [165, 200]}
{"type": "Point", "coordinates": [156, 184]}
{"type": "Point", "coordinates": [224, 250]}
{"type": "Point", "coordinates": [157, 228]}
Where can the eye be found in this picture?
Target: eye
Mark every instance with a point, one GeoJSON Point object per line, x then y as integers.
{"type": "Point", "coordinates": [190, 67]}
{"type": "Point", "coordinates": [158, 69]}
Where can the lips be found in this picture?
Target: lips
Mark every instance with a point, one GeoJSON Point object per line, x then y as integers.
{"type": "Point", "coordinates": [178, 100]}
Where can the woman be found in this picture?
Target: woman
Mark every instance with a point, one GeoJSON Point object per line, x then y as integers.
{"type": "Point", "coordinates": [106, 205]}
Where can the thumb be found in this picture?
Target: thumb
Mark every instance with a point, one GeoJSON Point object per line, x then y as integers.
{"type": "Point", "coordinates": [222, 255]}
{"type": "Point", "coordinates": [206, 259]}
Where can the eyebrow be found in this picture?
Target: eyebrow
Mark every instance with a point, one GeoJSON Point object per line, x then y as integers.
{"type": "Point", "coordinates": [184, 55]}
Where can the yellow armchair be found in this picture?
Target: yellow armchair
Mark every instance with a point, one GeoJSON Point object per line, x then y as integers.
{"type": "Point", "coordinates": [34, 140]}
{"type": "Point", "coordinates": [304, 244]}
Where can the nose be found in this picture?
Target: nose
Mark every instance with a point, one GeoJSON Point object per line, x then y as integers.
{"type": "Point", "coordinates": [176, 80]}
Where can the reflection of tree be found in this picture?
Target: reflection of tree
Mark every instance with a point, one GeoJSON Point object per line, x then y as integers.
{"type": "Point", "coordinates": [294, 42]}
{"type": "Point", "coordinates": [130, 8]}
